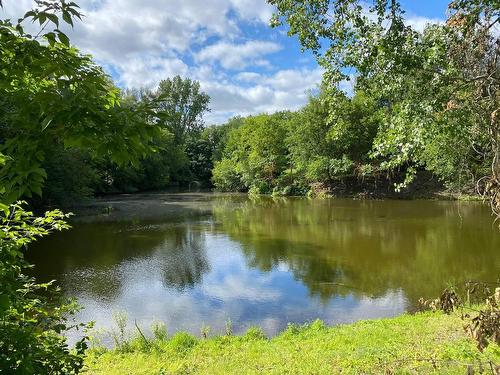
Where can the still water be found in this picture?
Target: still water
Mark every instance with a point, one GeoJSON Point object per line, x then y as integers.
{"type": "Point", "coordinates": [203, 259]}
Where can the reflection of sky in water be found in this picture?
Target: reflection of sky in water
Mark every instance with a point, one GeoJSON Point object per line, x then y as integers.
{"type": "Point", "coordinates": [202, 259]}
{"type": "Point", "coordinates": [230, 290]}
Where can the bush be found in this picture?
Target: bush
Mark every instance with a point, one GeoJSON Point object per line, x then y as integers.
{"type": "Point", "coordinates": [225, 177]}
{"type": "Point", "coordinates": [341, 167]}
{"type": "Point", "coordinates": [32, 322]}
{"type": "Point", "coordinates": [318, 169]}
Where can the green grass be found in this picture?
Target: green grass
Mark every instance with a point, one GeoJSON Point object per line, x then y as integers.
{"type": "Point", "coordinates": [423, 343]}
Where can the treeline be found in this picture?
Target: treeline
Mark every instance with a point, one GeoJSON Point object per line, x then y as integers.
{"type": "Point", "coordinates": [423, 101]}
{"type": "Point", "coordinates": [333, 145]}
{"type": "Point", "coordinates": [438, 89]}
{"type": "Point", "coordinates": [179, 153]}
{"type": "Point", "coordinates": [294, 153]}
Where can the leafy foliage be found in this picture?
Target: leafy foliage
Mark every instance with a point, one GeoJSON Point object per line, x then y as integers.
{"type": "Point", "coordinates": [70, 177]}
{"type": "Point", "coordinates": [256, 154]}
{"type": "Point", "coordinates": [50, 93]}
{"type": "Point", "coordinates": [181, 154]}
{"type": "Point", "coordinates": [179, 106]}
{"type": "Point", "coordinates": [32, 315]}
{"type": "Point", "coordinates": [54, 103]}
{"type": "Point", "coordinates": [439, 87]}
{"type": "Point", "coordinates": [286, 153]}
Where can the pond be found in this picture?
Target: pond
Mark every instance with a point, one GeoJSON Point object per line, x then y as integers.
{"type": "Point", "coordinates": [197, 259]}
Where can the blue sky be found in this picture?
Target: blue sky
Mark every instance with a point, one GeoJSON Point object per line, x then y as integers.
{"type": "Point", "coordinates": [244, 65]}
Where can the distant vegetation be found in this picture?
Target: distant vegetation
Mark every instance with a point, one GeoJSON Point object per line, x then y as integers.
{"type": "Point", "coordinates": [290, 153]}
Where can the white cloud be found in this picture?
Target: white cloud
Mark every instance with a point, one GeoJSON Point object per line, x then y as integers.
{"type": "Point", "coordinates": [117, 29]}
{"type": "Point", "coordinates": [252, 9]}
{"type": "Point", "coordinates": [237, 56]}
{"type": "Point", "coordinates": [15, 8]}
{"type": "Point", "coordinates": [285, 89]}
{"type": "Point", "coordinates": [142, 42]}
{"type": "Point", "coordinates": [114, 29]}
{"type": "Point", "coordinates": [419, 23]}
{"type": "Point", "coordinates": [248, 77]}
{"type": "Point", "coordinates": [147, 71]}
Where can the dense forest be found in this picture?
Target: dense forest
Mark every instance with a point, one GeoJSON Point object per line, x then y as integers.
{"type": "Point", "coordinates": [422, 102]}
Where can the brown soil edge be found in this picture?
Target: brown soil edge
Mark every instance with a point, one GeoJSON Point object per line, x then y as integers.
{"type": "Point", "coordinates": [424, 186]}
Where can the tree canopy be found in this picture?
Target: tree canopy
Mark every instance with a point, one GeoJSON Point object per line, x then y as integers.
{"type": "Point", "coordinates": [439, 86]}
{"type": "Point", "coordinates": [50, 93]}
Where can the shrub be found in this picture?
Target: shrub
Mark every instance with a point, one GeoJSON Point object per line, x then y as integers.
{"type": "Point", "coordinates": [318, 169]}
{"type": "Point", "coordinates": [341, 167]}
{"type": "Point", "coordinates": [225, 177]}
{"type": "Point", "coordinates": [32, 322]}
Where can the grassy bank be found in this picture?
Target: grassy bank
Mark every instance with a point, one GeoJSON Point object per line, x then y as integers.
{"type": "Point", "coordinates": [422, 343]}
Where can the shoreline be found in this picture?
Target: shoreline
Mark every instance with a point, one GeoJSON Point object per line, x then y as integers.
{"type": "Point", "coordinates": [424, 342]}
{"type": "Point", "coordinates": [96, 203]}
{"type": "Point", "coordinates": [165, 204]}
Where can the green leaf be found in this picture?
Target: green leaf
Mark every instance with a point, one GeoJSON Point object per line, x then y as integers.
{"type": "Point", "coordinates": [63, 38]}
{"type": "Point", "coordinates": [46, 122]}
{"type": "Point", "coordinates": [42, 17]}
{"type": "Point", "coordinates": [4, 302]}
{"type": "Point", "coordinates": [51, 38]}
{"type": "Point", "coordinates": [4, 208]}
{"type": "Point", "coordinates": [53, 18]}
{"type": "Point", "coordinates": [67, 18]}
{"type": "Point", "coordinates": [19, 29]}
{"type": "Point", "coordinates": [29, 14]}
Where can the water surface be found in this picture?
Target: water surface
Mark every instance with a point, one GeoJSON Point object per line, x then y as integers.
{"type": "Point", "coordinates": [203, 259]}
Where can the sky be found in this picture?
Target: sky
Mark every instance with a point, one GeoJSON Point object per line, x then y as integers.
{"type": "Point", "coordinates": [244, 65]}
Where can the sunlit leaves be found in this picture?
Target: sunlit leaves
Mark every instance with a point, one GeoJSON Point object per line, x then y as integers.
{"type": "Point", "coordinates": [32, 315]}
{"type": "Point", "coordinates": [51, 94]}
{"type": "Point", "coordinates": [179, 105]}
{"type": "Point", "coordinates": [256, 154]}
{"type": "Point", "coordinates": [439, 88]}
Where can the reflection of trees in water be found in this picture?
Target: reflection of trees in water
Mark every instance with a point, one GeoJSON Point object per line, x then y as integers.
{"type": "Point", "coordinates": [371, 246]}
{"type": "Point", "coordinates": [99, 259]}
{"type": "Point", "coordinates": [184, 257]}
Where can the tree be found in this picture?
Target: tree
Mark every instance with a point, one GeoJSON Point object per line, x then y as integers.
{"type": "Point", "coordinates": [51, 98]}
{"type": "Point", "coordinates": [218, 135]}
{"type": "Point", "coordinates": [257, 152]}
{"type": "Point", "coordinates": [437, 86]}
{"type": "Point", "coordinates": [177, 108]}
{"type": "Point", "coordinates": [50, 93]}
{"type": "Point", "coordinates": [475, 55]}
{"type": "Point", "coordinates": [180, 105]}
{"type": "Point", "coordinates": [330, 134]}
{"type": "Point", "coordinates": [222, 173]}
{"type": "Point", "coordinates": [180, 156]}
